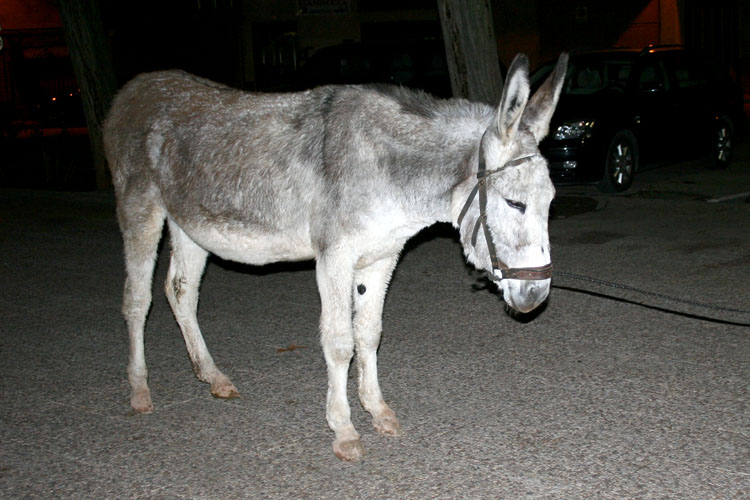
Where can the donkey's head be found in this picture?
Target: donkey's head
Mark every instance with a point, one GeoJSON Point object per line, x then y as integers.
{"type": "Point", "coordinates": [505, 230]}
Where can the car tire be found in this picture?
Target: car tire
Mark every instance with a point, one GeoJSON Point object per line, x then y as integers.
{"type": "Point", "coordinates": [722, 144]}
{"type": "Point", "coordinates": [621, 163]}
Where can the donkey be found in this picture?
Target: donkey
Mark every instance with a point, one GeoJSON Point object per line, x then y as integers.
{"type": "Point", "coordinates": [344, 175]}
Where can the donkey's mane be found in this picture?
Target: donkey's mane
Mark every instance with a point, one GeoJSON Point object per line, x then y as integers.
{"type": "Point", "coordinates": [425, 105]}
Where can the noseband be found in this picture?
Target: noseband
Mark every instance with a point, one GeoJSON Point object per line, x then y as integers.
{"type": "Point", "coordinates": [499, 269]}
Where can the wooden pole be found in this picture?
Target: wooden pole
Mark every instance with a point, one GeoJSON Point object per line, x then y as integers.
{"type": "Point", "coordinates": [471, 49]}
{"type": "Point", "coordinates": [92, 64]}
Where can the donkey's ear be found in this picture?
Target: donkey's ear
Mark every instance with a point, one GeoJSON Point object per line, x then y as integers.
{"type": "Point", "coordinates": [514, 98]}
{"type": "Point", "coordinates": [538, 113]}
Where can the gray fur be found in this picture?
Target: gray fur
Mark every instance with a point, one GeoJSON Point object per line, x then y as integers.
{"type": "Point", "coordinates": [340, 174]}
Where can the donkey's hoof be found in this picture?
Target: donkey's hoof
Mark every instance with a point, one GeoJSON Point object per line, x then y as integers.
{"type": "Point", "coordinates": [349, 451]}
{"type": "Point", "coordinates": [141, 402]}
{"type": "Point", "coordinates": [225, 391]}
{"type": "Point", "coordinates": [387, 424]}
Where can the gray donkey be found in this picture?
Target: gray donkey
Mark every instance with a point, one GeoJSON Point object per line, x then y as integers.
{"type": "Point", "coordinates": [344, 175]}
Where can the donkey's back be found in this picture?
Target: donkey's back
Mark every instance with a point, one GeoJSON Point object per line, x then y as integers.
{"type": "Point", "coordinates": [235, 170]}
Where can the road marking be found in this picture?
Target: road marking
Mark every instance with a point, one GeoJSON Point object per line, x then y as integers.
{"type": "Point", "coordinates": [729, 197]}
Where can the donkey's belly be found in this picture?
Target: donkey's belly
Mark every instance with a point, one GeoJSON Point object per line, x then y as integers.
{"type": "Point", "coordinates": [252, 246]}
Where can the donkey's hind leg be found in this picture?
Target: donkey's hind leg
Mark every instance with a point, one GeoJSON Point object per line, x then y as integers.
{"type": "Point", "coordinates": [371, 284]}
{"type": "Point", "coordinates": [186, 267]}
{"type": "Point", "coordinates": [141, 220]}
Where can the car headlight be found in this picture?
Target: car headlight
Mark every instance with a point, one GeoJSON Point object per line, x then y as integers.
{"type": "Point", "coordinates": [579, 129]}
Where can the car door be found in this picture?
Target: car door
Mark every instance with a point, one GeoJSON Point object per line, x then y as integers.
{"type": "Point", "coordinates": [694, 102]}
{"type": "Point", "coordinates": [657, 115]}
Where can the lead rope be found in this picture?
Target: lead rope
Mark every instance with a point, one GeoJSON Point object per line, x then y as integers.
{"type": "Point", "coordinates": [662, 296]}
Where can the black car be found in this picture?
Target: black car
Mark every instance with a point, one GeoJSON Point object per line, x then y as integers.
{"type": "Point", "coordinates": [623, 107]}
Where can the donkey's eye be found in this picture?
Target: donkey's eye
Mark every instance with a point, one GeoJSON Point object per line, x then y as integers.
{"type": "Point", "coordinates": [521, 207]}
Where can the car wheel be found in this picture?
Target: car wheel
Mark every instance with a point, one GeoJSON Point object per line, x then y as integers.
{"type": "Point", "coordinates": [621, 163]}
{"type": "Point", "coordinates": [722, 144]}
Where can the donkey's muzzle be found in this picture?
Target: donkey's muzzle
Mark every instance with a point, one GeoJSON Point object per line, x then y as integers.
{"type": "Point", "coordinates": [525, 295]}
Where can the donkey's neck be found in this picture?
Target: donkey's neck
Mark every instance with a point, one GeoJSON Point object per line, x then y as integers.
{"type": "Point", "coordinates": [440, 159]}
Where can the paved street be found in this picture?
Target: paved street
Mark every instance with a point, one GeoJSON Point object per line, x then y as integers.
{"type": "Point", "coordinates": [605, 394]}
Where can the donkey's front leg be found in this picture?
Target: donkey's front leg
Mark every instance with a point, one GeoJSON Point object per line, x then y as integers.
{"type": "Point", "coordinates": [371, 284]}
{"type": "Point", "coordinates": [335, 275]}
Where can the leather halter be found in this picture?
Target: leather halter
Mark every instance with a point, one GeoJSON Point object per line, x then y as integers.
{"type": "Point", "coordinates": [499, 269]}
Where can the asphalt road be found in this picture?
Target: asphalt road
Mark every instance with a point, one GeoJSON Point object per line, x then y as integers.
{"type": "Point", "coordinates": [606, 394]}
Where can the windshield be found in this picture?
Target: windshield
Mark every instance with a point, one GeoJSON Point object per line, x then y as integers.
{"type": "Point", "coordinates": [589, 74]}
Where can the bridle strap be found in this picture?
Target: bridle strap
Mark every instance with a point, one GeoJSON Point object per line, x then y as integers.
{"type": "Point", "coordinates": [527, 273]}
{"type": "Point", "coordinates": [499, 268]}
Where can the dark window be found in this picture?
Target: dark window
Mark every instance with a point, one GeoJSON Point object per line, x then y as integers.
{"type": "Point", "coordinates": [689, 73]}
{"type": "Point", "coordinates": [652, 78]}
{"type": "Point", "coordinates": [589, 75]}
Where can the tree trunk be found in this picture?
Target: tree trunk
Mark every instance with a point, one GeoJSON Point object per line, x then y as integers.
{"type": "Point", "coordinates": [471, 49]}
{"type": "Point", "coordinates": [92, 64]}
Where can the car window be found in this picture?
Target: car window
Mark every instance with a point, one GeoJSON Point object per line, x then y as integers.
{"type": "Point", "coordinates": [587, 77]}
{"type": "Point", "coordinates": [689, 73]}
{"type": "Point", "coordinates": [587, 74]}
{"type": "Point", "coordinates": [652, 78]}
{"type": "Point", "coordinates": [587, 80]}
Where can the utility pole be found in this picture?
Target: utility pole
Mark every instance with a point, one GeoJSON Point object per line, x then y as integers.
{"type": "Point", "coordinates": [471, 49]}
